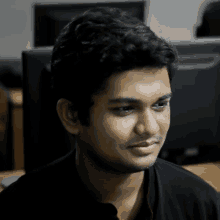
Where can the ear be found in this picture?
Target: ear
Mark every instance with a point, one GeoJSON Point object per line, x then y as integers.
{"type": "Point", "coordinates": [69, 121]}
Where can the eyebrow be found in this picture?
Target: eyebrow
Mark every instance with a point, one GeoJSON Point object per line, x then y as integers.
{"type": "Point", "coordinates": [136, 101]}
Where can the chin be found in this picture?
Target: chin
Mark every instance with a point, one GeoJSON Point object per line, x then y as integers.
{"type": "Point", "coordinates": [137, 166]}
{"type": "Point", "coordinates": [145, 163]}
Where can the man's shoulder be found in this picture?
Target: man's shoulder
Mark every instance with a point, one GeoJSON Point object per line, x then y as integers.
{"type": "Point", "coordinates": [185, 192]}
{"type": "Point", "coordinates": [170, 171]}
{"type": "Point", "coordinates": [173, 177]}
{"type": "Point", "coordinates": [43, 179]}
{"type": "Point", "coordinates": [44, 186]}
{"type": "Point", "coordinates": [31, 183]}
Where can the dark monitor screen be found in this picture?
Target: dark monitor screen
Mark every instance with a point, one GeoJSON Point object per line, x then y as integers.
{"type": "Point", "coordinates": [49, 19]}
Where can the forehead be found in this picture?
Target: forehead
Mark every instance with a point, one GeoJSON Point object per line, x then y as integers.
{"type": "Point", "coordinates": [139, 82]}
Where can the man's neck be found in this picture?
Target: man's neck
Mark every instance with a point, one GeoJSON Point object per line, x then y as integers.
{"type": "Point", "coordinates": [108, 187]}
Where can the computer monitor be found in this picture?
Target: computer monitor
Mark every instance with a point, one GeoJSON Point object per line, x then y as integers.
{"type": "Point", "coordinates": [49, 19]}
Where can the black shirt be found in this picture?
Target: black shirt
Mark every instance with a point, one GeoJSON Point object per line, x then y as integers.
{"type": "Point", "coordinates": [55, 191]}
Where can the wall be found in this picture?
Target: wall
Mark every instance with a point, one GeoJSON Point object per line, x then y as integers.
{"type": "Point", "coordinates": [176, 20]}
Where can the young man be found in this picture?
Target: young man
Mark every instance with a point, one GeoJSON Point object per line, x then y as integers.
{"type": "Point", "coordinates": [112, 76]}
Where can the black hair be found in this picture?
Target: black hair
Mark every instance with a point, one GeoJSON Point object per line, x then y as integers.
{"type": "Point", "coordinates": [96, 44]}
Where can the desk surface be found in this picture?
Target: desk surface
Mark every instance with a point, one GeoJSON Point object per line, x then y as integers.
{"type": "Point", "coordinates": [5, 174]}
{"type": "Point", "coordinates": [210, 172]}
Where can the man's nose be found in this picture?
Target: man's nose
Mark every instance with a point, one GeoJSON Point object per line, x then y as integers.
{"type": "Point", "coordinates": [147, 123]}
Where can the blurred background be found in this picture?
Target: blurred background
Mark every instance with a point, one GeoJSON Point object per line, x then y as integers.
{"type": "Point", "coordinates": [28, 119]}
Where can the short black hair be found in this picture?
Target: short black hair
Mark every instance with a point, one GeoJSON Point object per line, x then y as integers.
{"type": "Point", "coordinates": [96, 44]}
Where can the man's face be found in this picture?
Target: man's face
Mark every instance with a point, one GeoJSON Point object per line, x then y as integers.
{"type": "Point", "coordinates": [116, 126]}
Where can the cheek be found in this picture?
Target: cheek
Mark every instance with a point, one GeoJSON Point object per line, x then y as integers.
{"type": "Point", "coordinates": [164, 120]}
{"type": "Point", "coordinates": [119, 127]}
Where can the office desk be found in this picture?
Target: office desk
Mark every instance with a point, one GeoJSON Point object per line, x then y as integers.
{"type": "Point", "coordinates": [210, 172]}
{"type": "Point", "coordinates": [5, 174]}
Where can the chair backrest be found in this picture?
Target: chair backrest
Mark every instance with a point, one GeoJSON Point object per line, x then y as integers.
{"type": "Point", "coordinates": [45, 138]}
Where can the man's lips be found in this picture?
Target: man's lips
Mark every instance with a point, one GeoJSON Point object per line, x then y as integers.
{"type": "Point", "coordinates": [144, 144]}
{"type": "Point", "coordinates": [143, 148]}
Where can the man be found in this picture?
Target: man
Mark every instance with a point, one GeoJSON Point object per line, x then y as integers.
{"type": "Point", "coordinates": [111, 76]}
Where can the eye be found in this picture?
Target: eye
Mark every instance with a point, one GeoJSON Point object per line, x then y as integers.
{"type": "Point", "coordinates": [161, 105]}
{"type": "Point", "coordinates": [123, 110]}
{"type": "Point", "coordinates": [126, 110]}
